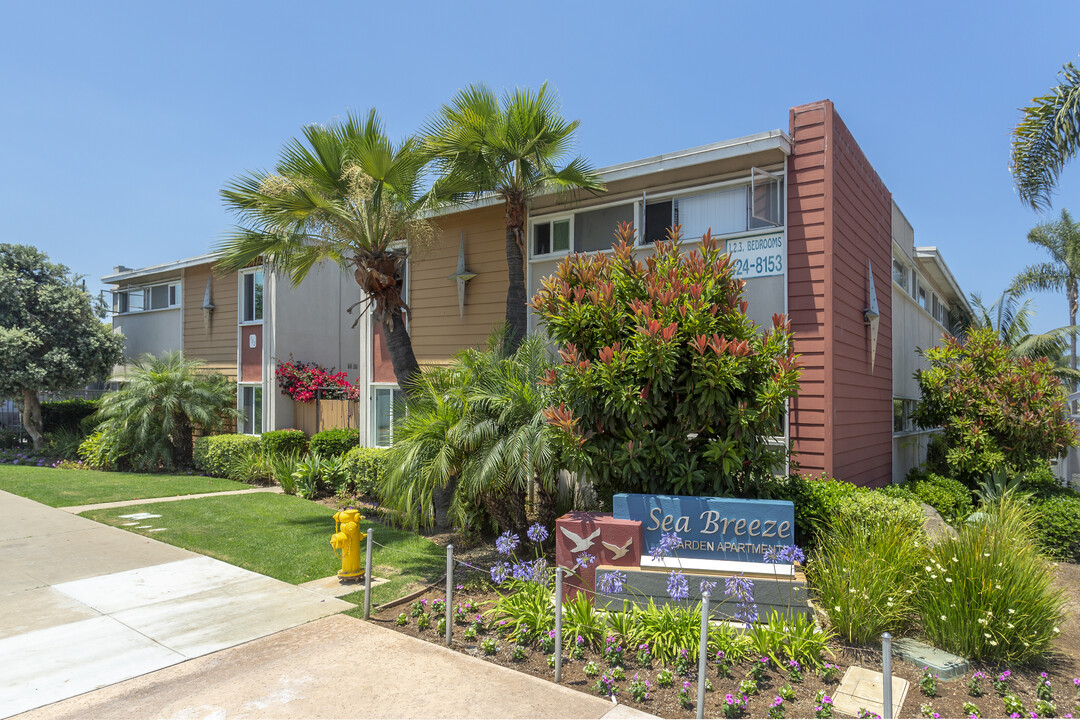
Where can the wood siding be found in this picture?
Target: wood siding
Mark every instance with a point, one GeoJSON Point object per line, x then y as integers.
{"type": "Point", "coordinates": [861, 235]}
{"type": "Point", "coordinates": [809, 282]}
{"type": "Point", "coordinates": [215, 344]}
{"type": "Point", "coordinates": [437, 329]}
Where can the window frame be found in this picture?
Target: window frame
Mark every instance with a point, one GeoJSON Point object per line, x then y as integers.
{"type": "Point", "coordinates": [242, 300]}
{"type": "Point", "coordinates": [122, 298]}
{"type": "Point", "coordinates": [551, 220]}
{"type": "Point", "coordinates": [256, 404]}
{"type": "Point", "coordinates": [394, 389]}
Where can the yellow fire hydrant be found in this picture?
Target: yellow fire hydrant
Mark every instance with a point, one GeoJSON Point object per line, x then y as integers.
{"type": "Point", "coordinates": [346, 543]}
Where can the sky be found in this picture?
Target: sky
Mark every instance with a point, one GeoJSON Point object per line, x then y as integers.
{"type": "Point", "coordinates": [122, 121]}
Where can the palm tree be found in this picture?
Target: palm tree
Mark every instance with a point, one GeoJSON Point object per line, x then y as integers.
{"type": "Point", "coordinates": [1062, 240]}
{"type": "Point", "coordinates": [1011, 320]}
{"type": "Point", "coordinates": [350, 196]}
{"type": "Point", "coordinates": [478, 426]}
{"type": "Point", "coordinates": [511, 148]}
{"type": "Point", "coordinates": [1046, 138]}
{"type": "Point", "coordinates": [163, 399]}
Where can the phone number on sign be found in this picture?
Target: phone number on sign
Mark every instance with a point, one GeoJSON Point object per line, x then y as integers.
{"type": "Point", "coordinates": [760, 265]}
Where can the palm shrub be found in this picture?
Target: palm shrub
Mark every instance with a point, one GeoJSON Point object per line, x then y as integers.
{"type": "Point", "coordinates": [865, 576]}
{"type": "Point", "coordinates": [478, 425]}
{"type": "Point", "coordinates": [664, 380]}
{"type": "Point", "coordinates": [987, 593]}
{"type": "Point", "coordinates": [162, 401]}
{"type": "Point", "coordinates": [996, 410]}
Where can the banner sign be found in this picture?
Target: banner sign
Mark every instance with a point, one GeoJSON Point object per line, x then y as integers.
{"type": "Point", "coordinates": [759, 256]}
{"type": "Point", "coordinates": [709, 527]}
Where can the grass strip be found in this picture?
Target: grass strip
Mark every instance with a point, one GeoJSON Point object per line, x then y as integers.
{"type": "Point", "coordinates": [62, 488]}
{"type": "Point", "coordinates": [282, 536]}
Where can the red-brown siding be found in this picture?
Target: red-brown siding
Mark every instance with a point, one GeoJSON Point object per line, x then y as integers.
{"type": "Point", "coordinates": [839, 217]}
{"type": "Point", "coordinates": [251, 353]}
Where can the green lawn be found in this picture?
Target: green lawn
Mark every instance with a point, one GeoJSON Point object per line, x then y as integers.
{"type": "Point", "coordinates": [284, 537]}
{"type": "Point", "coordinates": [61, 488]}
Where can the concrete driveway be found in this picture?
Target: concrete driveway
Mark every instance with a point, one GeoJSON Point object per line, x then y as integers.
{"type": "Point", "coordinates": [83, 605]}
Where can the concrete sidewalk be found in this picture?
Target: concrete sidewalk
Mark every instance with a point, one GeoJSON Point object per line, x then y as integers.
{"type": "Point", "coordinates": [337, 667]}
{"type": "Point", "coordinates": [83, 605]}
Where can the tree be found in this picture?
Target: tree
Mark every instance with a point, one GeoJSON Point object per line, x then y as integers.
{"type": "Point", "coordinates": [350, 196]}
{"type": "Point", "coordinates": [1011, 322]}
{"type": "Point", "coordinates": [51, 334]}
{"type": "Point", "coordinates": [1062, 240]}
{"type": "Point", "coordinates": [149, 421]}
{"type": "Point", "coordinates": [511, 148]}
{"type": "Point", "coordinates": [666, 383]}
{"type": "Point", "coordinates": [1046, 138]}
{"type": "Point", "coordinates": [996, 411]}
{"type": "Point", "coordinates": [478, 425]}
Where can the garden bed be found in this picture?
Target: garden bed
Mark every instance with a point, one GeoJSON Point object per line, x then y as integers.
{"type": "Point", "coordinates": [664, 701]}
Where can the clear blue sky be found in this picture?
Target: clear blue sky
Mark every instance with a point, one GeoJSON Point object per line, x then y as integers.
{"type": "Point", "coordinates": [121, 121]}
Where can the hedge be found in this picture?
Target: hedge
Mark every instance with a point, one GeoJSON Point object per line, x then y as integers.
{"type": "Point", "coordinates": [214, 453]}
{"type": "Point", "coordinates": [949, 497]}
{"type": "Point", "coordinates": [66, 414]}
{"type": "Point", "coordinates": [1058, 526]}
{"type": "Point", "coordinates": [365, 468]}
{"type": "Point", "coordinates": [284, 441]}
{"type": "Point", "coordinates": [334, 442]}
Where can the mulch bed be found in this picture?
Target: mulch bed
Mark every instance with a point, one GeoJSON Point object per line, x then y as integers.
{"type": "Point", "coordinates": [664, 701]}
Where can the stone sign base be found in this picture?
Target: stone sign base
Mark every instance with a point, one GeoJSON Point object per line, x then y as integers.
{"type": "Point", "coordinates": [779, 593]}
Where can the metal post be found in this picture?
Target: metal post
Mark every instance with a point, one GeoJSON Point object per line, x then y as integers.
{"type": "Point", "coordinates": [886, 673]}
{"type": "Point", "coordinates": [703, 654]}
{"type": "Point", "coordinates": [558, 624]}
{"type": "Point", "coordinates": [367, 577]}
{"type": "Point", "coordinates": [449, 592]}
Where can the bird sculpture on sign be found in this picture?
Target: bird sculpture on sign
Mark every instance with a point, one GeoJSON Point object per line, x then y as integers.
{"type": "Point", "coordinates": [580, 544]}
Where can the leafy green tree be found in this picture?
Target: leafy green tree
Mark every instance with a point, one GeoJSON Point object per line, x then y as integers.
{"type": "Point", "coordinates": [666, 383]}
{"type": "Point", "coordinates": [1046, 138]}
{"type": "Point", "coordinates": [478, 425]}
{"type": "Point", "coordinates": [1062, 240]}
{"type": "Point", "coordinates": [996, 411]}
{"type": "Point", "coordinates": [1011, 321]}
{"type": "Point", "coordinates": [345, 194]}
{"type": "Point", "coordinates": [51, 334]}
{"type": "Point", "coordinates": [512, 148]}
{"type": "Point", "coordinates": [149, 421]}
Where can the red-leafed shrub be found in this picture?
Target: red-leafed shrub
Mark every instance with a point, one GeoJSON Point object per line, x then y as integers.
{"type": "Point", "coordinates": [300, 381]}
{"type": "Point", "coordinates": [666, 383]}
{"type": "Point", "coordinates": [996, 410]}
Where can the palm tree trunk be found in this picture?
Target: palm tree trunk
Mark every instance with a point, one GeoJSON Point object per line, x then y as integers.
{"type": "Point", "coordinates": [399, 345]}
{"type": "Point", "coordinates": [516, 316]}
{"type": "Point", "coordinates": [1071, 292]}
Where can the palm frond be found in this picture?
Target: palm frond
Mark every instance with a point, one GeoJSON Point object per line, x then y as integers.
{"type": "Point", "coordinates": [1046, 138]}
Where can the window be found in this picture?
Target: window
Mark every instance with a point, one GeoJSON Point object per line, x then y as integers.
{"type": "Point", "coordinates": [251, 297]}
{"type": "Point", "coordinates": [940, 311]}
{"type": "Point", "coordinates": [154, 297]}
{"type": "Point", "coordinates": [595, 229]}
{"type": "Point", "coordinates": [250, 402]}
{"type": "Point", "coordinates": [659, 216]}
{"type": "Point", "coordinates": [766, 201]}
{"type": "Point", "coordinates": [551, 237]}
{"type": "Point", "coordinates": [900, 275]}
{"type": "Point", "coordinates": [385, 402]}
{"type": "Point", "coordinates": [924, 300]}
{"type": "Point", "coordinates": [903, 410]}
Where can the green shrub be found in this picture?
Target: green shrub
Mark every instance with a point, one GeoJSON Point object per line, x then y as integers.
{"type": "Point", "coordinates": [1057, 527]}
{"type": "Point", "coordinates": [282, 468]}
{"type": "Point", "coordinates": [365, 467]}
{"type": "Point", "coordinates": [988, 594]}
{"type": "Point", "coordinates": [865, 573]}
{"type": "Point", "coordinates": [334, 442]}
{"type": "Point", "coordinates": [526, 607]}
{"type": "Point", "coordinates": [870, 507]}
{"type": "Point", "coordinates": [1042, 482]}
{"type": "Point", "coordinates": [214, 454]}
{"type": "Point", "coordinates": [250, 465]}
{"type": "Point", "coordinates": [65, 442]}
{"type": "Point", "coordinates": [284, 441]}
{"type": "Point", "coordinates": [66, 414]}
{"type": "Point", "coordinates": [815, 500]}
{"type": "Point", "coordinates": [949, 497]}
{"type": "Point", "coordinates": [102, 452]}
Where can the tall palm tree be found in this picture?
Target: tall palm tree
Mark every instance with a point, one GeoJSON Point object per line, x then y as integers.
{"type": "Point", "coordinates": [350, 196]}
{"type": "Point", "coordinates": [1046, 138]}
{"type": "Point", "coordinates": [1062, 240]}
{"type": "Point", "coordinates": [512, 148]}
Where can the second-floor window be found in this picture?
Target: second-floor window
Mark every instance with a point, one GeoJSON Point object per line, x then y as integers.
{"type": "Point", "coordinates": [153, 297]}
{"type": "Point", "coordinates": [251, 296]}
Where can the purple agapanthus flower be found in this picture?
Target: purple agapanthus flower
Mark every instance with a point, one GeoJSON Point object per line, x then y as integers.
{"type": "Point", "coordinates": [611, 582]}
{"type": "Point", "coordinates": [669, 542]}
{"type": "Point", "coordinates": [499, 572]}
{"type": "Point", "coordinates": [506, 543]}
{"type": "Point", "coordinates": [584, 560]}
{"type": "Point", "coordinates": [537, 532]}
{"type": "Point", "coordinates": [707, 587]}
{"type": "Point", "coordinates": [678, 587]}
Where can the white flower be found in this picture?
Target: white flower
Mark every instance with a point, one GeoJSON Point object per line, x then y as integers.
{"type": "Point", "coordinates": [981, 621]}
{"type": "Point", "coordinates": [927, 568]}
{"type": "Point", "coordinates": [933, 577]}
{"type": "Point", "coordinates": [948, 580]}
{"type": "Point", "coordinates": [955, 559]}
{"type": "Point", "coordinates": [986, 554]}
{"type": "Point", "coordinates": [1011, 611]}
{"type": "Point", "coordinates": [837, 608]}
{"type": "Point", "coordinates": [944, 618]}
{"type": "Point", "coordinates": [1056, 631]}
{"type": "Point", "coordinates": [1011, 626]}
{"type": "Point", "coordinates": [986, 634]}
{"type": "Point", "coordinates": [994, 642]}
